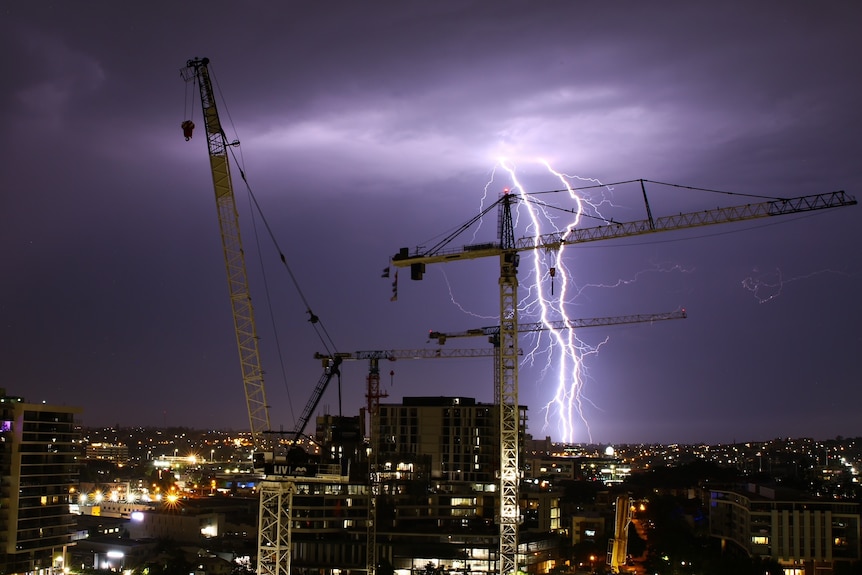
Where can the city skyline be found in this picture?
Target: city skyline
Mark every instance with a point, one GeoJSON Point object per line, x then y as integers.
{"type": "Point", "coordinates": [364, 130]}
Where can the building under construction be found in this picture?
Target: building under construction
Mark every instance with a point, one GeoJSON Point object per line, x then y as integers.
{"type": "Point", "coordinates": [434, 500]}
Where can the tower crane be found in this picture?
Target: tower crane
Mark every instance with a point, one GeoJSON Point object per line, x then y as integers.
{"type": "Point", "coordinates": [197, 71]}
{"type": "Point", "coordinates": [276, 493]}
{"type": "Point", "coordinates": [373, 393]}
{"type": "Point", "coordinates": [508, 250]}
{"type": "Point", "coordinates": [493, 331]}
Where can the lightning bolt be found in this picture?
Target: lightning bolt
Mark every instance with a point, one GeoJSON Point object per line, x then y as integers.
{"type": "Point", "coordinates": [549, 291]}
{"type": "Point", "coordinates": [458, 304]}
{"type": "Point", "coordinates": [563, 354]}
{"type": "Point", "coordinates": [766, 286]}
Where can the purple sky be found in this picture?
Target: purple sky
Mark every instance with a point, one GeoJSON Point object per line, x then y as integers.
{"type": "Point", "coordinates": [366, 127]}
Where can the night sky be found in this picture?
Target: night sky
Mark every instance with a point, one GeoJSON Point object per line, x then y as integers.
{"type": "Point", "coordinates": [368, 126]}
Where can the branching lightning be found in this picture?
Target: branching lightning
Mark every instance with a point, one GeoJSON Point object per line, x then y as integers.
{"type": "Point", "coordinates": [459, 305]}
{"type": "Point", "coordinates": [766, 286]}
{"type": "Point", "coordinates": [656, 268]}
{"type": "Point", "coordinates": [548, 291]}
{"type": "Point", "coordinates": [545, 295]}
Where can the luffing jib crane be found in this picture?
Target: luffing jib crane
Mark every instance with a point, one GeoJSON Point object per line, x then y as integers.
{"type": "Point", "coordinates": [507, 250]}
{"type": "Point", "coordinates": [331, 369]}
{"type": "Point", "coordinates": [197, 71]}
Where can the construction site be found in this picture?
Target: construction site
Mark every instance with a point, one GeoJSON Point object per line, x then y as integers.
{"type": "Point", "coordinates": [431, 484]}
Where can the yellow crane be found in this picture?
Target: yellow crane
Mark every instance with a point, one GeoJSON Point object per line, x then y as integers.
{"type": "Point", "coordinates": [507, 249]}
{"type": "Point", "coordinates": [276, 494]}
{"type": "Point", "coordinates": [618, 546]}
{"type": "Point", "coordinates": [197, 71]}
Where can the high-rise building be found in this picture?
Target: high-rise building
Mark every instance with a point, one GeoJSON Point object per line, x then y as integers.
{"type": "Point", "coordinates": [438, 463]}
{"type": "Point", "coordinates": [456, 435]}
{"type": "Point", "coordinates": [38, 469]}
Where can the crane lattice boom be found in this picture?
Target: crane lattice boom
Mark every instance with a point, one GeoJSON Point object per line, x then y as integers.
{"type": "Point", "coordinates": [615, 230]}
{"type": "Point", "coordinates": [395, 354]}
{"type": "Point", "coordinates": [196, 70]}
{"type": "Point", "coordinates": [493, 331]}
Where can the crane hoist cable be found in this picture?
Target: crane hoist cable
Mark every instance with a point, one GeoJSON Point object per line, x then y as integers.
{"type": "Point", "coordinates": [319, 328]}
{"type": "Point", "coordinates": [646, 181]}
{"type": "Point", "coordinates": [314, 319]}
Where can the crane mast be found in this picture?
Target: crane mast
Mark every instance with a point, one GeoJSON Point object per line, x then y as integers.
{"type": "Point", "coordinates": [508, 250]}
{"type": "Point", "coordinates": [509, 517]}
{"type": "Point", "coordinates": [196, 70]}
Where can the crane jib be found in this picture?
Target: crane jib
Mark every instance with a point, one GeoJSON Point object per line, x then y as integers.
{"type": "Point", "coordinates": [614, 230]}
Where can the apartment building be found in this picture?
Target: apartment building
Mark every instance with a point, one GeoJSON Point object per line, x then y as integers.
{"type": "Point", "coordinates": [38, 469]}
{"type": "Point", "coordinates": [805, 535]}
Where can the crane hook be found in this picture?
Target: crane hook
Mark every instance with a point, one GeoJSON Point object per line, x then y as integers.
{"type": "Point", "coordinates": [188, 127]}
